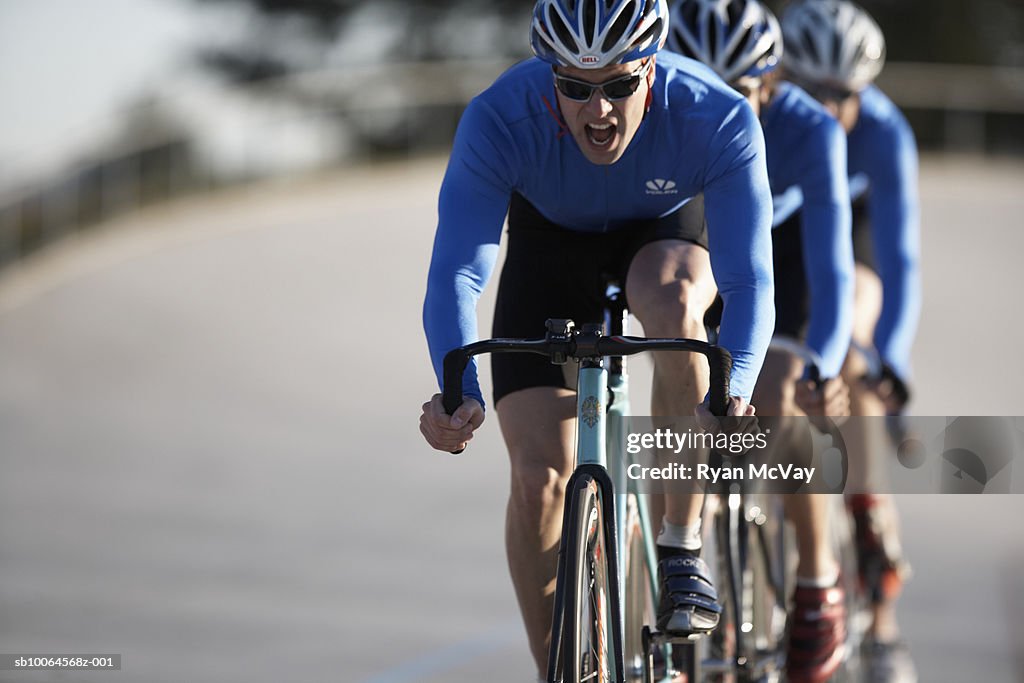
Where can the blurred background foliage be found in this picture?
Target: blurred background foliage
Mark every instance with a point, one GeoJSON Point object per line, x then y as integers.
{"type": "Point", "coordinates": [941, 32]}
{"type": "Point", "coordinates": [988, 32]}
{"type": "Point", "coordinates": [279, 88]}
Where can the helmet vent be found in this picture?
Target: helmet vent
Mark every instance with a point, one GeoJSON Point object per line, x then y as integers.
{"type": "Point", "coordinates": [690, 10]}
{"type": "Point", "coordinates": [836, 58]}
{"type": "Point", "coordinates": [682, 46]}
{"type": "Point", "coordinates": [620, 27]}
{"type": "Point", "coordinates": [650, 33]}
{"type": "Point", "coordinates": [562, 31]}
{"type": "Point", "coordinates": [589, 20]}
{"type": "Point", "coordinates": [807, 42]}
{"type": "Point", "coordinates": [741, 45]}
{"type": "Point", "coordinates": [734, 9]}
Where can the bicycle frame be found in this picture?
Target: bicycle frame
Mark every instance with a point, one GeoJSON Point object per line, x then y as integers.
{"type": "Point", "coordinates": [599, 430]}
{"type": "Point", "coordinates": [592, 461]}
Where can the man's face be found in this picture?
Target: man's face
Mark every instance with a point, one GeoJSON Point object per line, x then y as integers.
{"type": "Point", "coordinates": [845, 110]}
{"type": "Point", "coordinates": [843, 105]}
{"type": "Point", "coordinates": [604, 127]}
{"type": "Point", "coordinates": [752, 90]}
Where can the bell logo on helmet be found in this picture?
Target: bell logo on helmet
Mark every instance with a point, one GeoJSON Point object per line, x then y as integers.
{"type": "Point", "coordinates": [659, 186]}
{"type": "Point", "coordinates": [589, 59]}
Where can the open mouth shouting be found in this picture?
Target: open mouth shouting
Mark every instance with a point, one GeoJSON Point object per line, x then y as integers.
{"type": "Point", "coordinates": [600, 135]}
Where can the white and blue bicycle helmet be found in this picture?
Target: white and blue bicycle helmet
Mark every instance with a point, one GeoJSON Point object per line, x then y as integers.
{"type": "Point", "coordinates": [734, 37]}
{"type": "Point", "coordinates": [832, 43]}
{"type": "Point", "coordinates": [593, 34]}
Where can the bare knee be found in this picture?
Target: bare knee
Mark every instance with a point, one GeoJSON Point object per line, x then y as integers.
{"type": "Point", "coordinates": [669, 287]}
{"type": "Point", "coordinates": [537, 425]}
{"type": "Point", "coordinates": [537, 490]}
{"type": "Point", "coordinates": [775, 393]}
{"type": "Point", "coordinates": [867, 305]}
{"type": "Point", "coordinates": [673, 309]}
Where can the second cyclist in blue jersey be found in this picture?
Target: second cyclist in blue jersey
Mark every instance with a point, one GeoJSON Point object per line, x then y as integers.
{"type": "Point", "coordinates": [835, 50]}
{"type": "Point", "coordinates": [741, 40]}
{"type": "Point", "coordinates": [597, 151]}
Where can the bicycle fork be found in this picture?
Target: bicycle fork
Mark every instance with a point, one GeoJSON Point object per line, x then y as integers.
{"type": "Point", "coordinates": [592, 397]}
{"type": "Point", "coordinates": [580, 479]}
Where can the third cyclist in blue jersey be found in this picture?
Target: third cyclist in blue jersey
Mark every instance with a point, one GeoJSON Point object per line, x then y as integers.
{"type": "Point", "coordinates": [593, 149]}
{"type": "Point", "coordinates": [834, 49]}
{"type": "Point", "coordinates": [813, 264]}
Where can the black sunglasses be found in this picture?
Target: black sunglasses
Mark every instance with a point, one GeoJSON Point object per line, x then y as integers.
{"type": "Point", "coordinates": [616, 89]}
{"type": "Point", "coordinates": [825, 93]}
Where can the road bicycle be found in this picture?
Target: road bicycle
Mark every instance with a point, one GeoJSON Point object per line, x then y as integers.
{"type": "Point", "coordinates": [606, 582]}
{"type": "Point", "coordinates": [756, 570]}
{"type": "Point", "coordinates": [607, 570]}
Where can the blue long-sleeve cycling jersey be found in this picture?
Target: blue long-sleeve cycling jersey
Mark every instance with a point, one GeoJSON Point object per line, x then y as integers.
{"type": "Point", "coordinates": [883, 161]}
{"type": "Point", "coordinates": [807, 170]}
{"type": "Point", "coordinates": [697, 136]}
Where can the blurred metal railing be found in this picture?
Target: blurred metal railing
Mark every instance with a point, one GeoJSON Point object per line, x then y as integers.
{"type": "Point", "coordinates": [954, 87]}
{"type": "Point", "coordinates": [391, 109]}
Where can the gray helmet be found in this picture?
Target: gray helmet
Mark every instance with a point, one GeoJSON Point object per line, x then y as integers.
{"type": "Point", "coordinates": [832, 43]}
{"type": "Point", "coordinates": [734, 37]}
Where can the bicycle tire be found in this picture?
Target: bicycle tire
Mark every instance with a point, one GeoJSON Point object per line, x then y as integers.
{"type": "Point", "coordinates": [640, 600]}
{"type": "Point", "coordinates": [586, 640]}
{"type": "Point", "coordinates": [720, 645]}
{"type": "Point", "coordinates": [751, 557]}
{"type": "Point", "coordinates": [857, 604]}
{"type": "Point", "coordinates": [768, 584]}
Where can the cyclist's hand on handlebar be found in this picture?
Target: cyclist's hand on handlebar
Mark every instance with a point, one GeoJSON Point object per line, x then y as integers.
{"type": "Point", "coordinates": [890, 387]}
{"type": "Point", "coordinates": [737, 408]}
{"type": "Point", "coordinates": [450, 432]}
{"type": "Point", "coordinates": [831, 398]}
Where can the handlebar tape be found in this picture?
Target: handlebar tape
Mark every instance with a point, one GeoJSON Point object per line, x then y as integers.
{"type": "Point", "coordinates": [720, 363]}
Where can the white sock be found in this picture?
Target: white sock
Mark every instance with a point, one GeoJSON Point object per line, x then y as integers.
{"type": "Point", "coordinates": [823, 581]}
{"type": "Point", "coordinates": [678, 536]}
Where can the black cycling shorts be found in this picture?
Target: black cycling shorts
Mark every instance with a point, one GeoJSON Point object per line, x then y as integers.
{"type": "Point", "coordinates": [792, 299]}
{"type": "Point", "coordinates": [553, 272]}
{"type": "Point", "coordinates": [863, 245]}
{"type": "Point", "coordinates": [792, 296]}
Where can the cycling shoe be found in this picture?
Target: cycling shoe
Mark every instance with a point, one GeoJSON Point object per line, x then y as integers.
{"type": "Point", "coordinates": [887, 663]}
{"type": "Point", "coordinates": [689, 602]}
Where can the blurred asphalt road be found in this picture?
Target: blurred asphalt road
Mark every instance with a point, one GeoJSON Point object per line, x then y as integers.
{"type": "Point", "coordinates": [210, 462]}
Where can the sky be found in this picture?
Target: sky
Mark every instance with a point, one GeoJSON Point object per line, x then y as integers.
{"type": "Point", "coordinates": [68, 66]}
{"type": "Point", "coordinates": [70, 72]}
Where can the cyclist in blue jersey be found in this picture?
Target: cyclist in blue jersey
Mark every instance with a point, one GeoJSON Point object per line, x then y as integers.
{"type": "Point", "coordinates": [813, 265]}
{"type": "Point", "coordinates": [597, 151]}
{"type": "Point", "coordinates": [834, 49]}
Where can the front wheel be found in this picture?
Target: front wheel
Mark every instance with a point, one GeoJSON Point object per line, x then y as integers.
{"type": "Point", "coordinates": [587, 636]}
{"type": "Point", "coordinates": [640, 599]}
